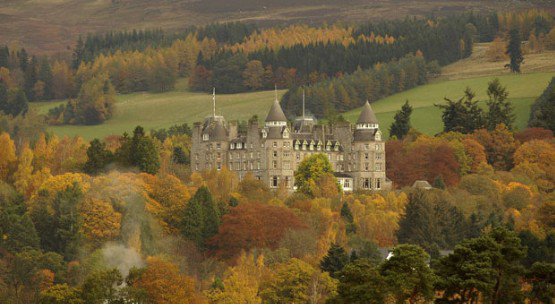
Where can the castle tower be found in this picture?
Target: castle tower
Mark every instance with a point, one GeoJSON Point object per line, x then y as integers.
{"type": "Point", "coordinates": [210, 141]}
{"type": "Point", "coordinates": [368, 168]}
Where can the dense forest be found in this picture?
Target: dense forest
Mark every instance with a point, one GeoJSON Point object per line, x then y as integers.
{"type": "Point", "coordinates": [236, 57]}
{"type": "Point", "coordinates": [123, 219]}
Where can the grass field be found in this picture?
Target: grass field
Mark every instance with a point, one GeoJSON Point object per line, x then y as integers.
{"type": "Point", "coordinates": [165, 109]}
{"type": "Point", "coordinates": [523, 90]}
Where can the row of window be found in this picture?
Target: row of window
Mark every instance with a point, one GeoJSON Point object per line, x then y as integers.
{"type": "Point", "coordinates": [368, 183]}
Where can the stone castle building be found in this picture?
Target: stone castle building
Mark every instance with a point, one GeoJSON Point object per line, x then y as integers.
{"type": "Point", "coordinates": [273, 151]}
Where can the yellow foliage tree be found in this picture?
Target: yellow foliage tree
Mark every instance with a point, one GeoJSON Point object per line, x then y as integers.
{"type": "Point", "coordinates": [164, 284]}
{"type": "Point", "coordinates": [101, 222]}
{"type": "Point", "coordinates": [7, 155]}
{"type": "Point", "coordinates": [241, 282]}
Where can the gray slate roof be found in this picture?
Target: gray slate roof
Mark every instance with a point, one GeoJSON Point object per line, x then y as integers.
{"type": "Point", "coordinates": [276, 113]}
{"type": "Point", "coordinates": [367, 115]}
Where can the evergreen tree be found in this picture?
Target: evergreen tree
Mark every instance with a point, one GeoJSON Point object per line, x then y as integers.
{"type": "Point", "coordinates": [3, 97]}
{"type": "Point", "coordinates": [335, 260]}
{"type": "Point", "coordinates": [143, 152]}
{"type": "Point", "coordinates": [58, 221]}
{"type": "Point", "coordinates": [348, 217]}
{"type": "Point", "coordinates": [97, 157]}
{"type": "Point", "coordinates": [463, 115]}
{"type": "Point", "coordinates": [514, 51]}
{"type": "Point", "coordinates": [543, 110]}
{"type": "Point", "coordinates": [45, 75]}
{"type": "Point", "coordinates": [401, 125]}
{"type": "Point", "coordinates": [500, 110]}
{"type": "Point", "coordinates": [409, 273]}
{"type": "Point", "coordinates": [360, 283]}
{"type": "Point", "coordinates": [439, 183]}
{"type": "Point", "coordinates": [4, 56]}
{"type": "Point", "coordinates": [17, 103]}
{"type": "Point", "coordinates": [201, 218]}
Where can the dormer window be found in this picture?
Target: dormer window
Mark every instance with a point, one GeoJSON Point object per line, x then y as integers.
{"type": "Point", "coordinates": [378, 135]}
{"type": "Point", "coordinates": [239, 145]}
{"type": "Point", "coordinates": [232, 146]}
{"type": "Point", "coordinates": [264, 133]}
{"type": "Point", "coordinates": [286, 134]}
{"type": "Point", "coordinates": [205, 137]}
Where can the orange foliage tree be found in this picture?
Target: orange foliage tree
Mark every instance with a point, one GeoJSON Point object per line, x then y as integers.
{"type": "Point", "coordinates": [164, 284]}
{"type": "Point", "coordinates": [250, 226]}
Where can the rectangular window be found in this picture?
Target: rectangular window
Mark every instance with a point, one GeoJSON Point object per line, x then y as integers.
{"type": "Point", "coordinates": [287, 181]}
{"type": "Point", "coordinates": [377, 146]}
{"type": "Point", "coordinates": [366, 146]}
{"type": "Point", "coordinates": [366, 183]}
{"type": "Point", "coordinates": [378, 156]}
{"type": "Point", "coordinates": [366, 156]}
{"type": "Point", "coordinates": [218, 146]}
{"type": "Point", "coordinates": [378, 183]}
{"type": "Point", "coordinates": [274, 182]}
{"type": "Point", "coordinates": [275, 154]}
{"type": "Point", "coordinates": [286, 165]}
{"type": "Point", "coordinates": [346, 183]}
{"type": "Point", "coordinates": [219, 166]}
{"type": "Point", "coordinates": [366, 166]}
{"type": "Point", "coordinates": [275, 144]}
{"type": "Point", "coordinates": [274, 164]}
{"type": "Point", "coordinates": [286, 154]}
{"type": "Point", "coordinates": [298, 156]}
{"type": "Point", "coordinates": [378, 166]}
{"type": "Point", "coordinates": [196, 166]}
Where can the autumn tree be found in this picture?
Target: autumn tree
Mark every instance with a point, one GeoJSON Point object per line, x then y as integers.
{"type": "Point", "coordinates": [7, 155]}
{"type": "Point", "coordinates": [499, 144]}
{"type": "Point", "coordinates": [163, 283]}
{"type": "Point", "coordinates": [309, 284]}
{"type": "Point", "coordinates": [496, 50]}
{"type": "Point", "coordinates": [241, 282]}
{"type": "Point", "coordinates": [401, 124]}
{"type": "Point", "coordinates": [253, 75]}
{"type": "Point", "coordinates": [310, 170]}
{"type": "Point", "coordinates": [249, 226]}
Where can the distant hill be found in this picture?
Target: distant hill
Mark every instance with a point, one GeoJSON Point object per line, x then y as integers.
{"type": "Point", "coordinates": [51, 26]}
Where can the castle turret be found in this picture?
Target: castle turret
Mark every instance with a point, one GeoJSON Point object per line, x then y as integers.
{"type": "Point", "coordinates": [367, 127]}
{"type": "Point", "coordinates": [276, 117]}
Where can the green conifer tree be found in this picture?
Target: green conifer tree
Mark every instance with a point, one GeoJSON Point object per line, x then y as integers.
{"type": "Point", "coordinates": [514, 51]}
{"type": "Point", "coordinates": [401, 125]}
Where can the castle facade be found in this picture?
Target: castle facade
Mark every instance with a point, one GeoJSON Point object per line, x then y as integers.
{"type": "Point", "coordinates": [272, 152]}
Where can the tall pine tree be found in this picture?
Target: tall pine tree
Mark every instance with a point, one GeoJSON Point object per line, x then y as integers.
{"type": "Point", "coordinates": [401, 126]}
{"type": "Point", "coordinates": [500, 110]}
{"type": "Point", "coordinates": [514, 51]}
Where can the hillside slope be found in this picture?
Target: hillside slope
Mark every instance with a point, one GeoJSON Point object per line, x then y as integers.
{"type": "Point", "coordinates": [51, 26]}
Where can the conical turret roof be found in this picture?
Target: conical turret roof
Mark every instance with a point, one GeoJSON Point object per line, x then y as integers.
{"type": "Point", "coordinates": [276, 113]}
{"type": "Point", "coordinates": [367, 115]}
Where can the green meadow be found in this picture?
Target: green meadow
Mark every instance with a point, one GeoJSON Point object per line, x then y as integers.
{"type": "Point", "coordinates": [158, 110]}
{"type": "Point", "coordinates": [523, 90]}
